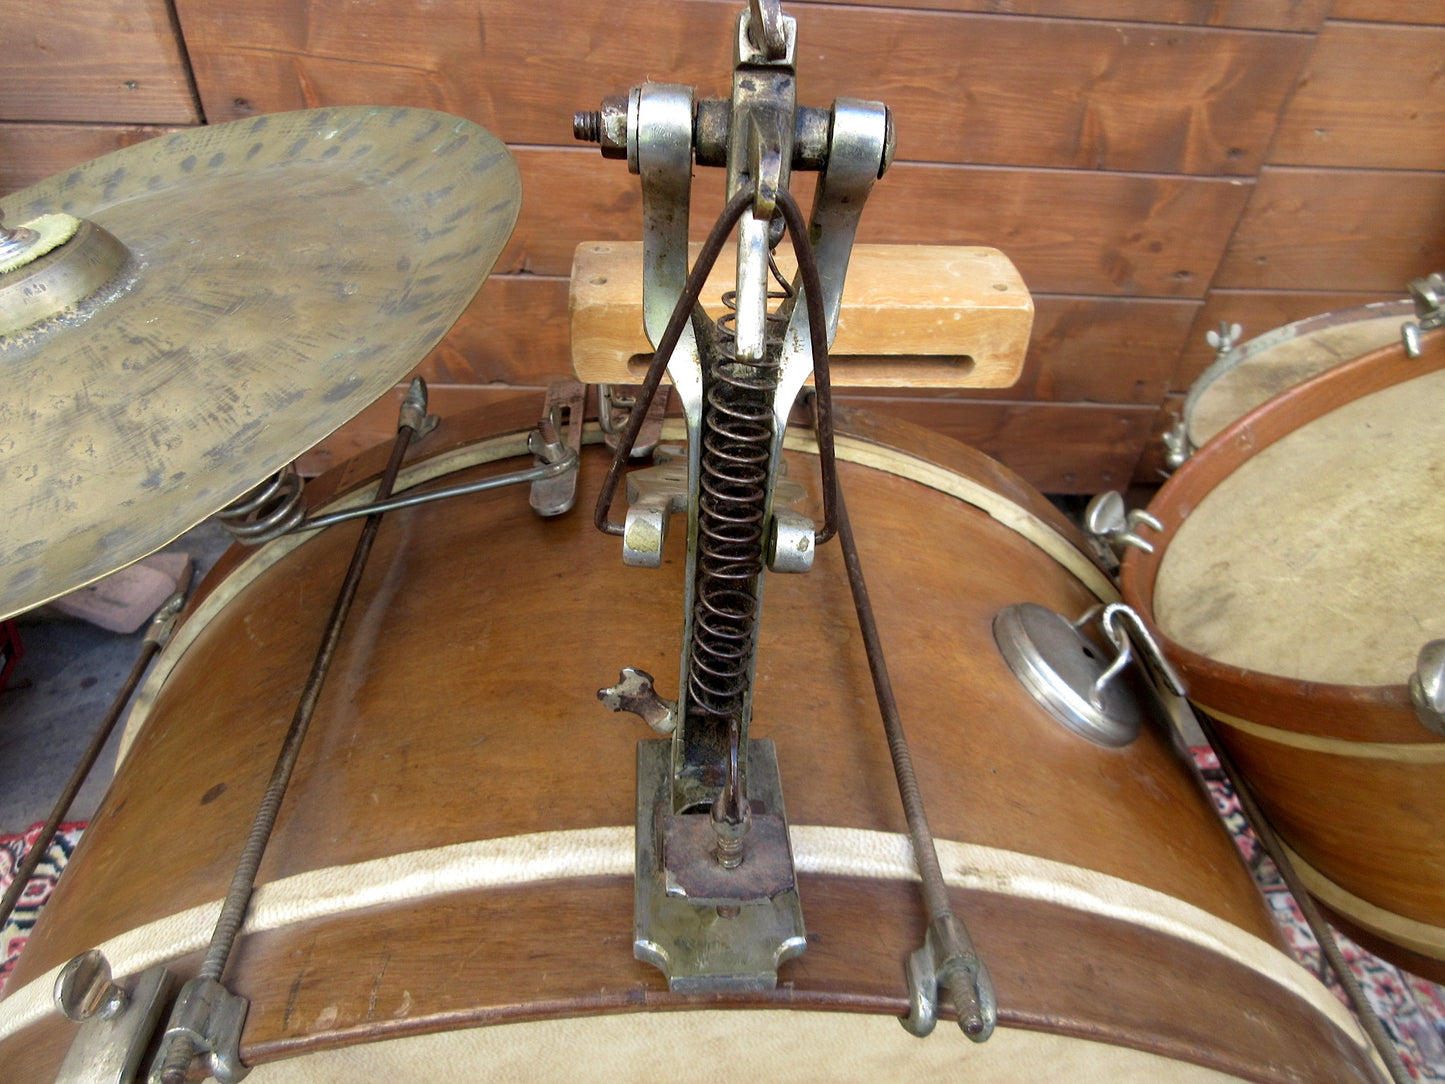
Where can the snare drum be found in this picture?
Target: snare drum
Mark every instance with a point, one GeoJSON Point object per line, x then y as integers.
{"type": "Point", "coordinates": [1297, 577]}
{"type": "Point", "coordinates": [448, 893]}
{"type": "Point", "coordinates": [1256, 371]}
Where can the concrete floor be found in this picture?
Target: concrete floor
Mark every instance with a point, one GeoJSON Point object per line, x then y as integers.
{"type": "Point", "coordinates": [57, 699]}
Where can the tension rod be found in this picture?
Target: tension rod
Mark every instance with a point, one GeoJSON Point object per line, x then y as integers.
{"type": "Point", "coordinates": [947, 958]}
{"type": "Point", "coordinates": [175, 1062]}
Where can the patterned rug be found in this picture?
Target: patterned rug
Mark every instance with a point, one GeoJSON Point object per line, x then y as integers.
{"type": "Point", "coordinates": [22, 920]}
{"type": "Point", "coordinates": [1412, 1010]}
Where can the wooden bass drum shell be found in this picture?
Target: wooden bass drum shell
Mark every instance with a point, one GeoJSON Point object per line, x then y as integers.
{"type": "Point", "coordinates": [1346, 773]}
{"type": "Point", "coordinates": [448, 892]}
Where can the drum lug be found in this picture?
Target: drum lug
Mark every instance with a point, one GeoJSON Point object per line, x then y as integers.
{"type": "Point", "coordinates": [1115, 529]}
{"type": "Point", "coordinates": [1176, 445]}
{"type": "Point", "coordinates": [117, 1023]}
{"type": "Point", "coordinates": [634, 693]}
{"type": "Point", "coordinates": [1064, 670]}
{"type": "Point", "coordinates": [1429, 296]}
{"type": "Point", "coordinates": [947, 960]}
{"type": "Point", "coordinates": [207, 1021]}
{"type": "Point", "coordinates": [1427, 687]}
{"type": "Point", "coordinates": [558, 432]}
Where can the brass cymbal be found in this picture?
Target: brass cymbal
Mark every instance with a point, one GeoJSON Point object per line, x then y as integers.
{"type": "Point", "coordinates": [267, 279]}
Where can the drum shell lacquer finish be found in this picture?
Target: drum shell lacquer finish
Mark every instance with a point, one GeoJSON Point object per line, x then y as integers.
{"type": "Point", "coordinates": [1346, 772]}
{"type": "Point", "coordinates": [461, 713]}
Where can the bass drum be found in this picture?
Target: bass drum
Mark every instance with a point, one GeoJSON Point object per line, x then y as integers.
{"type": "Point", "coordinates": [1296, 580]}
{"type": "Point", "coordinates": [448, 893]}
{"type": "Point", "coordinates": [1258, 370]}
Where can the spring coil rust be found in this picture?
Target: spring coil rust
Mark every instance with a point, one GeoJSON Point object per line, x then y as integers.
{"type": "Point", "coordinates": [737, 439]}
{"type": "Point", "coordinates": [268, 511]}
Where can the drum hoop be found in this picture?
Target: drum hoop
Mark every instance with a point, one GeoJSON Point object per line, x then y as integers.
{"type": "Point", "coordinates": [1260, 344]}
{"type": "Point", "coordinates": [1373, 708]}
{"type": "Point", "coordinates": [849, 448]}
{"type": "Point", "coordinates": [592, 852]}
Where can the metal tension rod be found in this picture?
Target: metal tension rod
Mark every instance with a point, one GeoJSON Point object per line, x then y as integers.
{"type": "Point", "coordinates": [947, 958]}
{"type": "Point", "coordinates": [1369, 1020]}
{"type": "Point", "coordinates": [155, 638]}
{"type": "Point", "coordinates": [178, 1049]}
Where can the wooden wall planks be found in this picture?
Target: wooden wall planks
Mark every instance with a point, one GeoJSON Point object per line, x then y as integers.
{"type": "Point", "coordinates": [93, 60]}
{"type": "Point", "coordinates": [1337, 229]}
{"type": "Point", "coordinates": [1152, 166]}
{"type": "Point", "coordinates": [1360, 100]}
{"type": "Point", "coordinates": [1390, 11]}
{"type": "Point", "coordinates": [32, 152]}
{"type": "Point", "coordinates": [998, 89]}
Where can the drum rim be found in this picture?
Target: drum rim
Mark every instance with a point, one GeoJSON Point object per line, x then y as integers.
{"type": "Point", "coordinates": [1261, 344]}
{"type": "Point", "coordinates": [1380, 713]}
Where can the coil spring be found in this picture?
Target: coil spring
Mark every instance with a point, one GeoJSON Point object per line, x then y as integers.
{"type": "Point", "coordinates": [737, 436]}
{"type": "Point", "coordinates": [268, 511]}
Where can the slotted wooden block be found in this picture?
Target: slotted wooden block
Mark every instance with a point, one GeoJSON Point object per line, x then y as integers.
{"type": "Point", "coordinates": [913, 316]}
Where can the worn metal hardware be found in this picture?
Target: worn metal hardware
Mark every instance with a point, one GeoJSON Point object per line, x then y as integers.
{"type": "Point", "coordinates": [1107, 521]}
{"type": "Point", "coordinates": [207, 1019]}
{"type": "Point", "coordinates": [791, 541]}
{"type": "Point", "coordinates": [947, 961]}
{"type": "Point", "coordinates": [1427, 687]}
{"type": "Point", "coordinates": [268, 511]}
{"type": "Point", "coordinates": [558, 436]}
{"type": "Point", "coordinates": [117, 1023]}
{"type": "Point", "coordinates": [1428, 293]}
{"type": "Point", "coordinates": [693, 870]}
{"type": "Point", "coordinates": [1176, 444]}
{"type": "Point", "coordinates": [737, 379]}
{"type": "Point", "coordinates": [1069, 674]}
{"type": "Point", "coordinates": [411, 500]}
{"type": "Point", "coordinates": [708, 945]}
{"type": "Point", "coordinates": [1225, 338]}
{"type": "Point", "coordinates": [412, 414]}
{"type": "Point", "coordinates": [634, 692]}
{"type": "Point", "coordinates": [654, 495]}
{"type": "Point", "coordinates": [614, 410]}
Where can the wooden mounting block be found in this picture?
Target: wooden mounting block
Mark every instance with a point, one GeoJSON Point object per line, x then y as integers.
{"type": "Point", "coordinates": [934, 316]}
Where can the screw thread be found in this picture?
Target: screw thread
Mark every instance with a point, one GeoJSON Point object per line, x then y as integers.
{"type": "Point", "coordinates": [587, 126]}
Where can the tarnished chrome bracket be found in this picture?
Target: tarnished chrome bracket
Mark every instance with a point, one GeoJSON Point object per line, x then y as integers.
{"type": "Point", "coordinates": [947, 961]}
{"type": "Point", "coordinates": [117, 1022]}
{"type": "Point", "coordinates": [1428, 294]}
{"type": "Point", "coordinates": [558, 433]}
{"type": "Point", "coordinates": [1427, 686]}
{"type": "Point", "coordinates": [654, 495]}
{"type": "Point", "coordinates": [791, 534]}
{"type": "Point", "coordinates": [1114, 528]}
{"type": "Point", "coordinates": [614, 410]}
{"type": "Point", "coordinates": [861, 147]}
{"type": "Point", "coordinates": [703, 945]}
{"type": "Point", "coordinates": [1069, 675]}
{"type": "Point", "coordinates": [634, 692]}
{"type": "Point", "coordinates": [208, 1017]}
